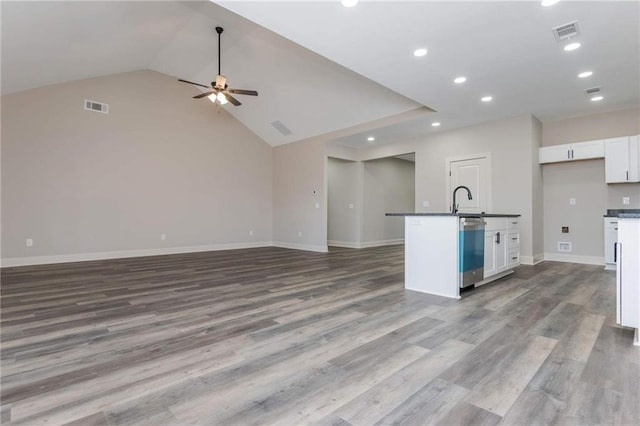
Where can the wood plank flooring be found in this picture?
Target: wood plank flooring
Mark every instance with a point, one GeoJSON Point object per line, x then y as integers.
{"type": "Point", "coordinates": [273, 336]}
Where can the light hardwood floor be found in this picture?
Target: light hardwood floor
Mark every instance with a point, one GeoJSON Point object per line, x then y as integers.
{"type": "Point", "coordinates": [276, 336]}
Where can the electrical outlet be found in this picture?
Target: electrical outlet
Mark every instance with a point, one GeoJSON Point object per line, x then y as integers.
{"type": "Point", "coordinates": [425, 204]}
{"type": "Point", "coordinates": [163, 237]}
{"type": "Point", "coordinates": [565, 229]}
{"type": "Point", "coordinates": [29, 242]}
{"type": "Point", "coordinates": [317, 205]}
{"type": "Point", "coordinates": [299, 233]}
{"type": "Point", "coordinates": [350, 205]}
{"type": "Point", "coordinates": [572, 201]}
{"type": "Point", "coordinates": [251, 232]}
{"type": "Point", "coordinates": [626, 200]}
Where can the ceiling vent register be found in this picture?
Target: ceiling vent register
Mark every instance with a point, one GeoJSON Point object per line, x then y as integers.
{"type": "Point", "coordinates": [96, 106]}
{"type": "Point", "coordinates": [566, 31]}
{"type": "Point", "coordinates": [592, 91]}
{"type": "Point", "coordinates": [284, 130]}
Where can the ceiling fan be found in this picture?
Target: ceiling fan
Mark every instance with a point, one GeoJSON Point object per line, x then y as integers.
{"type": "Point", "coordinates": [219, 90]}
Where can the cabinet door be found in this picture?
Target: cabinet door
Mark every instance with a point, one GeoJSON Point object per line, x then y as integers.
{"type": "Point", "coordinates": [634, 158]}
{"type": "Point", "coordinates": [554, 154]}
{"type": "Point", "coordinates": [502, 251]}
{"type": "Point", "coordinates": [586, 150]}
{"type": "Point", "coordinates": [616, 160]}
{"type": "Point", "coordinates": [489, 254]}
{"type": "Point", "coordinates": [610, 238]}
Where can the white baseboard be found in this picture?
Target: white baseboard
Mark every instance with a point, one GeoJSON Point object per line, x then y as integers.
{"type": "Point", "coordinates": [297, 246]}
{"type": "Point", "coordinates": [104, 255]}
{"type": "Point", "coordinates": [587, 260]}
{"type": "Point", "coordinates": [532, 260]}
{"type": "Point", "coordinates": [366, 244]}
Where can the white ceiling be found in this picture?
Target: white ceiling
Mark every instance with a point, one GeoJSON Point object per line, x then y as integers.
{"type": "Point", "coordinates": [320, 67]}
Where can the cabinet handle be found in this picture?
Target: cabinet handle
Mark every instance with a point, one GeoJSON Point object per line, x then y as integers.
{"type": "Point", "coordinates": [627, 174]}
{"type": "Point", "coordinates": [514, 258]}
{"type": "Point", "coordinates": [572, 156]}
{"type": "Point", "coordinates": [514, 238]}
{"type": "Point", "coordinates": [568, 154]}
{"type": "Point", "coordinates": [615, 253]}
{"type": "Point", "coordinates": [497, 238]}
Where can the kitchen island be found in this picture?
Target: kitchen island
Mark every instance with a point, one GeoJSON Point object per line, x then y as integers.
{"type": "Point", "coordinates": [437, 254]}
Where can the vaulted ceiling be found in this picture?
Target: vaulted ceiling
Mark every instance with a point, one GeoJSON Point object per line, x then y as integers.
{"type": "Point", "coordinates": [320, 67]}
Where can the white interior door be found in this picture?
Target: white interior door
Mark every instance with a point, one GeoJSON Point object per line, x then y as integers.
{"type": "Point", "coordinates": [472, 173]}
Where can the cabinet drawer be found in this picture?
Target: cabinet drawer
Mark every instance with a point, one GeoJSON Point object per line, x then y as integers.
{"type": "Point", "coordinates": [513, 240]}
{"type": "Point", "coordinates": [495, 224]}
{"type": "Point", "coordinates": [514, 258]}
{"type": "Point", "coordinates": [513, 223]}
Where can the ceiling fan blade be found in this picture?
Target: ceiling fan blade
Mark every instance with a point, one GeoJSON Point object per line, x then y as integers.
{"type": "Point", "coordinates": [233, 100]}
{"type": "Point", "coordinates": [196, 84]}
{"type": "Point", "coordinates": [202, 95]}
{"type": "Point", "coordinates": [243, 92]}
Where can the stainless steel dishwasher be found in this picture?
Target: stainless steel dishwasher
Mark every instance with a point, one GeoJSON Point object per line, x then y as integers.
{"type": "Point", "coordinates": [471, 250]}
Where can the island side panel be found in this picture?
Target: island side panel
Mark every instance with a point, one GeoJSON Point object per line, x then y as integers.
{"type": "Point", "coordinates": [431, 255]}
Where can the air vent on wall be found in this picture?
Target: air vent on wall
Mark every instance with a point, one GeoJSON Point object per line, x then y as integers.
{"type": "Point", "coordinates": [284, 130]}
{"type": "Point", "coordinates": [566, 31]}
{"type": "Point", "coordinates": [96, 106]}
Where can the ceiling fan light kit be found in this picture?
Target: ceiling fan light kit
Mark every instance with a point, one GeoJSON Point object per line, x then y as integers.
{"type": "Point", "coordinates": [219, 91]}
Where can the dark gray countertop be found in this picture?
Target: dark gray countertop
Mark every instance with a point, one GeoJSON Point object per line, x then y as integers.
{"type": "Point", "coordinates": [620, 212]}
{"type": "Point", "coordinates": [629, 215]}
{"type": "Point", "coordinates": [458, 215]}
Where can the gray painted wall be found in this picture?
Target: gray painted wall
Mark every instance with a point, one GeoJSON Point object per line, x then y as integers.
{"type": "Point", "coordinates": [585, 181]}
{"type": "Point", "coordinates": [160, 162]}
{"type": "Point", "coordinates": [511, 143]}
{"type": "Point", "coordinates": [389, 186]}
{"type": "Point", "coordinates": [344, 189]}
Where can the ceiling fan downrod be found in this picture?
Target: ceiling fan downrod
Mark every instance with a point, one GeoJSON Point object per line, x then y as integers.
{"type": "Point", "coordinates": [219, 31]}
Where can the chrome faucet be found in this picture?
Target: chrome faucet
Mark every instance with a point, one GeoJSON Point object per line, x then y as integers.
{"type": "Point", "coordinates": [454, 207]}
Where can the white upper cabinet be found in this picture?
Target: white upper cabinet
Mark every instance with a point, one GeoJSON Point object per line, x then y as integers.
{"type": "Point", "coordinates": [622, 159]}
{"type": "Point", "coordinates": [571, 152]}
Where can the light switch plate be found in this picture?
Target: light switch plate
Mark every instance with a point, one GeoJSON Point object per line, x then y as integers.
{"type": "Point", "coordinates": [572, 201]}
{"type": "Point", "coordinates": [626, 200]}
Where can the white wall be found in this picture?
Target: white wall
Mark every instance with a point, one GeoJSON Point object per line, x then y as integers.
{"type": "Point", "coordinates": [80, 182]}
{"type": "Point", "coordinates": [389, 186]}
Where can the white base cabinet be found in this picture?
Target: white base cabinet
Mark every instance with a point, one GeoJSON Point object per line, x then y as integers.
{"type": "Point", "coordinates": [610, 239]}
{"type": "Point", "coordinates": [501, 246]}
{"type": "Point", "coordinates": [628, 273]}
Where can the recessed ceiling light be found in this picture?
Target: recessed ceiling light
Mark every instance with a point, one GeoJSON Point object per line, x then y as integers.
{"type": "Point", "coordinates": [459, 80]}
{"type": "Point", "coordinates": [486, 99]}
{"type": "Point", "coordinates": [585, 74]}
{"type": "Point", "coordinates": [349, 3]}
{"type": "Point", "coordinates": [571, 46]}
{"type": "Point", "coordinates": [435, 124]}
{"type": "Point", "coordinates": [419, 52]}
{"type": "Point", "coordinates": [371, 139]}
{"type": "Point", "coordinates": [547, 3]}
{"type": "Point", "coordinates": [597, 98]}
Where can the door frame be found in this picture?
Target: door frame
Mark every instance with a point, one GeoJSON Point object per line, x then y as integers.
{"type": "Point", "coordinates": [447, 171]}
